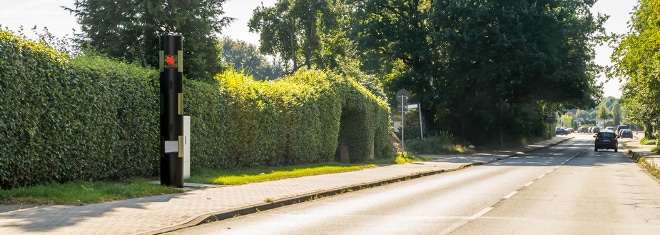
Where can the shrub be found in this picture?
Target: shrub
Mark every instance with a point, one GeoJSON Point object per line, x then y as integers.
{"type": "Point", "coordinates": [646, 141]}
{"type": "Point", "coordinates": [438, 144]}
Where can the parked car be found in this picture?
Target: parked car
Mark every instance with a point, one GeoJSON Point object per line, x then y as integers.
{"type": "Point", "coordinates": [561, 131]}
{"type": "Point", "coordinates": [595, 130]}
{"type": "Point", "coordinates": [606, 140]}
{"type": "Point", "coordinates": [626, 133]}
{"type": "Point", "coordinates": [583, 130]}
{"type": "Point", "coordinates": [621, 127]}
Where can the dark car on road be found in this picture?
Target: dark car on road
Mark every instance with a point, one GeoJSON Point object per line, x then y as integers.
{"type": "Point", "coordinates": [606, 140]}
{"type": "Point", "coordinates": [626, 133]}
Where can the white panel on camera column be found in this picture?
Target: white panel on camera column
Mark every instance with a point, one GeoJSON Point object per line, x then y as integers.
{"type": "Point", "coordinates": [186, 147]}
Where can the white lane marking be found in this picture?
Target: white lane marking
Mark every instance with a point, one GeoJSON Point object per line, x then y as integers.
{"type": "Point", "coordinates": [550, 171]}
{"type": "Point", "coordinates": [487, 209]}
{"type": "Point", "coordinates": [482, 212]}
{"type": "Point", "coordinates": [510, 195]}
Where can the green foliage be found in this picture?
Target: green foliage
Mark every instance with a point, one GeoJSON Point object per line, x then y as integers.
{"type": "Point", "coordinates": [304, 33]}
{"type": "Point", "coordinates": [586, 115]}
{"type": "Point", "coordinates": [566, 121]}
{"type": "Point", "coordinates": [439, 144]}
{"type": "Point", "coordinates": [636, 58]}
{"type": "Point", "coordinates": [83, 192]}
{"type": "Point", "coordinates": [603, 112]}
{"type": "Point", "coordinates": [88, 118]}
{"type": "Point", "coordinates": [460, 60]}
{"type": "Point", "coordinates": [130, 31]}
{"type": "Point", "coordinates": [250, 175]}
{"type": "Point", "coordinates": [96, 119]}
{"type": "Point", "coordinates": [301, 119]}
{"type": "Point", "coordinates": [616, 113]}
{"type": "Point", "coordinates": [647, 141]}
{"type": "Point", "coordinates": [245, 57]}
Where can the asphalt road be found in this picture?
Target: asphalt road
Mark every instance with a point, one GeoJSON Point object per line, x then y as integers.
{"type": "Point", "coordinates": [567, 189]}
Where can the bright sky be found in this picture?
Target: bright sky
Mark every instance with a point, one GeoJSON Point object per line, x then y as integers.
{"type": "Point", "coordinates": [48, 13]}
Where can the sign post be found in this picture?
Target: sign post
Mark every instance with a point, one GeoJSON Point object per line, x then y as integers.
{"type": "Point", "coordinates": [419, 110]}
{"type": "Point", "coordinates": [171, 110]}
{"type": "Point", "coordinates": [402, 97]}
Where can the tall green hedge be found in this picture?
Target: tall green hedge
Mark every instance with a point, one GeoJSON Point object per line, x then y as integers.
{"type": "Point", "coordinates": [65, 120]}
{"type": "Point", "coordinates": [92, 118]}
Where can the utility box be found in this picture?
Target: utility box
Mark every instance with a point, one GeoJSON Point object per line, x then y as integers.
{"type": "Point", "coordinates": [186, 147]}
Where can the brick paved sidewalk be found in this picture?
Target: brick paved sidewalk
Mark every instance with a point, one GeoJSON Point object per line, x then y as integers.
{"type": "Point", "coordinates": [157, 214]}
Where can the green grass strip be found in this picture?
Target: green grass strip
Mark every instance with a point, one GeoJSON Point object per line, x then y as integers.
{"type": "Point", "coordinates": [83, 192]}
{"type": "Point", "coordinates": [246, 176]}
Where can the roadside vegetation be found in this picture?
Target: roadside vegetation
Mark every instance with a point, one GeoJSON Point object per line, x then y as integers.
{"type": "Point", "coordinates": [647, 141]}
{"type": "Point", "coordinates": [652, 169]}
{"type": "Point", "coordinates": [86, 192]}
{"type": "Point", "coordinates": [438, 144]}
{"type": "Point", "coordinates": [253, 175]}
{"type": "Point", "coordinates": [83, 192]}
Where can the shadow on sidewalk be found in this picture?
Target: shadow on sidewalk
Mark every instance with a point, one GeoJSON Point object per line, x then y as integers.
{"type": "Point", "coordinates": [47, 218]}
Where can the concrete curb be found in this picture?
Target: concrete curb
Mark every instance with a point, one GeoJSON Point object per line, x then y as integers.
{"type": "Point", "coordinates": [222, 215]}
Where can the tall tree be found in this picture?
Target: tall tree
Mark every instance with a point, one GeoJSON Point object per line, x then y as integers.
{"type": "Point", "coordinates": [468, 59]}
{"type": "Point", "coordinates": [243, 56]}
{"type": "Point", "coordinates": [603, 113]}
{"type": "Point", "coordinates": [304, 32]}
{"type": "Point", "coordinates": [637, 59]}
{"type": "Point", "coordinates": [616, 113]}
{"type": "Point", "coordinates": [130, 30]}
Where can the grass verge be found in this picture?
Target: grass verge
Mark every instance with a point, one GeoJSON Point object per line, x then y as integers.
{"type": "Point", "coordinates": [403, 158]}
{"type": "Point", "coordinates": [253, 175]}
{"type": "Point", "coordinates": [86, 192]}
{"type": "Point", "coordinates": [83, 192]}
{"type": "Point", "coordinates": [648, 167]}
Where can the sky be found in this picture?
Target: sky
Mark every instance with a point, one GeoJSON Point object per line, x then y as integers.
{"type": "Point", "coordinates": [49, 14]}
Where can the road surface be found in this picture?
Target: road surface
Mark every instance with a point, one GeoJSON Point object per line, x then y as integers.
{"type": "Point", "coordinates": [566, 189]}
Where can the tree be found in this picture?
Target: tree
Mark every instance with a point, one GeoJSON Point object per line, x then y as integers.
{"type": "Point", "coordinates": [463, 58]}
{"type": "Point", "coordinates": [290, 29]}
{"type": "Point", "coordinates": [603, 113]}
{"type": "Point", "coordinates": [243, 56]}
{"type": "Point", "coordinates": [616, 113]}
{"type": "Point", "coordinates": [637, 59]}
{"type": "Point", "coordinates": [583, 115]}
{"type": "Point", "coordinates": [312, 33]}
{"type": "Point", "coordinates": [130, 30]}
{"type": "Point", "coordinates": [640, 108]}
